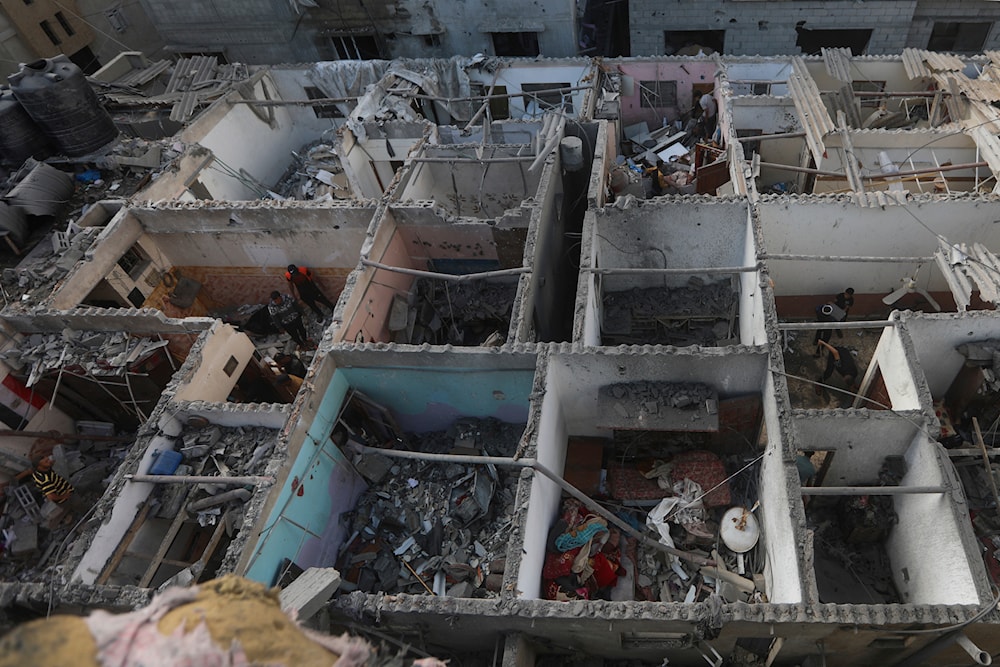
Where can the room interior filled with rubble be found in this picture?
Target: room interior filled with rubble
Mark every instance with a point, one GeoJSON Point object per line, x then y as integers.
{"type": "Point", "coordinates": [581, 392]}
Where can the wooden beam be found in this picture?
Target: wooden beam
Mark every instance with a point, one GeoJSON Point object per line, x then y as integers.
{"type": "Point", "coordinates": [123, 546]}
{"type": "Point", "coordinates": [166, 542]}
{"type": "Point", "coordinates": [213, 544]}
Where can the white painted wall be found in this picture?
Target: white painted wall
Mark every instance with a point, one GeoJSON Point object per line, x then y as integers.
{"type": "Point", "coordinates": [579, 376]}
{"type": "Point", "coordinates": [860, 440]}
{"type": "Point", "coordinates": [515, 77]}
{"type": "Point", "coordinates": [130, 498]}
{"type": "Point", "coordinates": [784, 585]}
{"type": "Point", "coordinates": [552, 440]}
{"type": "Point", "coordinates": [935, 338]}
{"type": "Point", "coordinates": [240, 139]}
{"type": "Point", "coordinates": [752, 324]}
{"type": "Point", "coordinates": [890, 355]}
{"type": "Point", "coordinates": [842, 228]}
{"type": "Point", "coordinates": [776, 72]}
{"type": "Point", "coordinates": [929, 562]}
{"type": "Point", "coordinates": [682, 234]}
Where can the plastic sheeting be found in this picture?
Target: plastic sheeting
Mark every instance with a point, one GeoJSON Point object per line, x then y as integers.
{"type": "Point", "coordinates": [42, 191]}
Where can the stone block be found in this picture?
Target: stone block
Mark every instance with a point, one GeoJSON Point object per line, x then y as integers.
{"type": "Point", "coordinates": [310, 591]}
{"type": "Point", "coordinates": [26, 541]}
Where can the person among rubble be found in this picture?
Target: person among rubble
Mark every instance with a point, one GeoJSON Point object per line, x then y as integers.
{"type": "Point", "coordinates": [844, 301]}
{"type": "Point", "coordinates": [51, 484]}
{"type": "Point", "coordinates": [301, 281]}
{"type": "Point", "coordinates": [291, 365]}
{"type": "Point", "coordinates": [287, 316]}
{"type": "Point", "coordinates": [840, 360]}
{"type": "Point", "coordinates": [709, 113]}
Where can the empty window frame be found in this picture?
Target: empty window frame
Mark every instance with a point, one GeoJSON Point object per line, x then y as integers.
{"type": "Point", "coordinates": [549, 95]}
{"type": "Point", "coordinates": [690, 42]}
{"type": "Point", "coordinates": [868, 87]}
{"type": "Point", "coordinates": [958, 37]}
{"type": "Point", "coordinates": [50, 33]}
{"type": "Point", "coordinates": [356, 47]}
{"type": "Point", "coordinates": [322, 110]}
{"type": "Point", "coordinates": [515, 44]}
{"type": "Point", "coordinates": [657, 94]}
{"type": "Point", "coordinates": [61, 18]}
{"type": "Point", "coordinates": [133, 262]}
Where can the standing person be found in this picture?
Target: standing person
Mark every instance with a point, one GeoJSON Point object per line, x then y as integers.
{"type": "Point", "coordinates": [709, 113]}
{"type": "Point", "coordinates": [300, 279]}
{"type": "Point", "coordinates": [844, 301]}
{"type": "Point", "coordinates": [287, 316]}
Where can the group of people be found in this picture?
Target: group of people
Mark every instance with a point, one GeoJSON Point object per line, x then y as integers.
{"type": "Point", "coordinates": [284, 309]}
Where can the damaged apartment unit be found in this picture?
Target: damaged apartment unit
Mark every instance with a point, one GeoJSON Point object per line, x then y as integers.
{"type": "Point", "coordinates": [553, 413]}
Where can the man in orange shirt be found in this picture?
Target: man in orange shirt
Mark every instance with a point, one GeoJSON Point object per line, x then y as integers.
{"type": "Point", "coordinates": [301, 280]}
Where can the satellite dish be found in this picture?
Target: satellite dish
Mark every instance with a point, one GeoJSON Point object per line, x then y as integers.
{"type": "Point", "coordinates": [739, 532]}
{"type": "Point", "coordinates": [909, 287]}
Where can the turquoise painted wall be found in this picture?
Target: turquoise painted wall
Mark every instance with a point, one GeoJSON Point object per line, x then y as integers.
{"type": "Point", "coordinates": [424, 400]}
{"type": "Point", "coordinates": [305, 522]}
{"type": "Point", "coordinates": [304, 525]}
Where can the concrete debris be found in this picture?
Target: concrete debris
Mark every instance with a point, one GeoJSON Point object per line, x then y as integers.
{"type": "Point", "coordinates": [471, 314]}
{"type": "Point", "coordinates": [651, 397]}
{"type": "Point", "coordinates": [695, 314]}
{"type": "Point", "coordinates": [315, 174]}
{"type": "Point", "coordinates": [986, 355]}
{"type": "Point", "coordinates": [449, 532]}
{"type": "Point", "coordinates": [85, 353]}
{"type": "Point", "coordinates": [33, 279]}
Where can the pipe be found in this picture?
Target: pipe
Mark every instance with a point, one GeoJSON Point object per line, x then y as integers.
{"type": "Point", "coordinates": [940, 644]}
{"type": "Point", "coordinates": [859, 324]}
{"type": "Point", "coordinates": [485, 160]}
{"type": "Point", "coordinates": [674, 271]}
{"type": "Point", "coordinates": [242, 495]}
{"type": "Point", "coordinates": [845, 258]}
{"type": "Point", "coordinates": [446, 276]}
{"type": "Point", "coordinates": [980, 656]}
{"type": "Point", "coordinates": [542, 469]}
{"type": "Point", "coordinates": [870, 490]}
{"type": "Point", "coordinates": [200, 479]}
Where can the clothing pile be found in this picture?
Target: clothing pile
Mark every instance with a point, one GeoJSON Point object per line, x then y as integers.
{"type": "Point", "coordinates": [585, 558]}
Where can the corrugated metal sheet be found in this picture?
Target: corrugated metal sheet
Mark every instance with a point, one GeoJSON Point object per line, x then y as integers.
{"type": "Point", "coordinates": [983, 89]}
{"type": "Point", "coordinates": [913, 63]}
{"type": "Point", "coordinates": [838, 63]}
{"type": "Point", "coordinates": [813, 115]}
{"type": "Point", "coordinates": [920, 63]}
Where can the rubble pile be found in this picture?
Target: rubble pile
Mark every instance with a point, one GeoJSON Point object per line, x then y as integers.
{"type": "Point", "coordinates": [428, 526]}
{"type": "Point", "coordinates": [93, 353]}
{"type": "Point", "coordinates": [208, 451]}
{"type": "Point", "coordinates": [696, 314]}
{"type": "Point", "coordinates": [315, 174]}
{"type": "Point", "coordinates": [473, 313]}
{"type": "Point", "coordinates": [33, 279]}
{"type": "Point", "coordinates": [651, 398]}
{"type": "Point", "coordinates": [31, 526]}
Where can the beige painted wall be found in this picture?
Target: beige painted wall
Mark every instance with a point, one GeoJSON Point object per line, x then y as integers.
{"type": "Point", "coordinates": [209, 381]}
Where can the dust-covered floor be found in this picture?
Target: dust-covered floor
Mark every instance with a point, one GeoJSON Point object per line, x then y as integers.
{"type": "Point", "coordinates": [799, 349]}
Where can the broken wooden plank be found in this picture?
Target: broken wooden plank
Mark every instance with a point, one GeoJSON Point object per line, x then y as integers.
{"type": "Point", "coordinates": [123, 546]}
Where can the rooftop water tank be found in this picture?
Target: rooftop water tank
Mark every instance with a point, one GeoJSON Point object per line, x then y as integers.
{"type": "Point", "coordinates": [20, 137]}
{"type": "Point", "coordinates": [57, 96]}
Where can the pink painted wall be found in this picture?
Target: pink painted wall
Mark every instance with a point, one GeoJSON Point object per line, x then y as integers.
{"type": "Point", "coordinates": [371, 317]}
{"type": "Point", "coordinates": [685, 74]}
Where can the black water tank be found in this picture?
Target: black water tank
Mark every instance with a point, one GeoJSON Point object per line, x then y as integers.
{"type": "Point", "coordinates": [20, 137]}
{"type": "Point", "coordinates": [57, 96]}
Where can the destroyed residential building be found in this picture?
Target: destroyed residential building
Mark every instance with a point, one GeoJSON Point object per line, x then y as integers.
{"type": "Point", "coordinates": [550, 415]}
